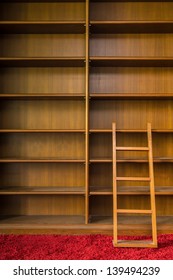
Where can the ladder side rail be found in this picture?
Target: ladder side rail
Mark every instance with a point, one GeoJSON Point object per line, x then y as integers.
{"type": "Point", "coordinates": [152, 189]}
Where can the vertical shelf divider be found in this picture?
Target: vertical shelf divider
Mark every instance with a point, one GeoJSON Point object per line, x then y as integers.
{"type": "Point", "coordinates": [87, 113]}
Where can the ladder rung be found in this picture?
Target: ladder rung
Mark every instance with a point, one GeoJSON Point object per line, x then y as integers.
{"type": "Point", "coordinates": [134, 211]}
{"type": "Point", "coordinates": [133, 179]}
{"type": "Point", "coordinates": [135, 243]}
{"type": "Point", "coordinates": [132, 148]}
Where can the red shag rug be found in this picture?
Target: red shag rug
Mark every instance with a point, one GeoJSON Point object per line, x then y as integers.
{"type": "Point", "coordinates": [78, 247]}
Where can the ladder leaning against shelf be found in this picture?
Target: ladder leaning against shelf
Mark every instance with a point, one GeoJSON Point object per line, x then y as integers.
{"type": "Point", "coordinates": [150, 179]}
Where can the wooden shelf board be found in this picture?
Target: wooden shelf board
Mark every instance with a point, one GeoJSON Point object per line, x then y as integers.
{"type": "Point", "coordinates": [41, 160]}
{"type": "Point", "coordinates": [52, 1]}
{"type": "Point", "coordinates": [130, 130]}
{"type": "Point", "coordinates": [134, 220]}
{"type": "Point", "coordinates": [42, 131]}
{"type": "Point", "coordinates": [94, 190]}
{"type": "Point", "coordinates": [39, 221]}
{"type": "Point", "coordinates": [45, 1]}
{"type": "Point", "coordinates": [139, 160]}
{"type": "Point", "coordinates": [131, 190]}
{"type": "Point", "coordinates": [131, 96]}
{"type": "Point", "coordinates": [42, 190]}
{"type": "Point", "coordinates": [127, 26]}
{"type": "Point", "coordinates": [42, 27]}
{"type": "Point", "coordinates": [100, 160]}
{"type": "Point", "coordinates": [42, 96]}
{"type": "Point", "coordinates": [126, 61]}
{"type": "Point", "coordinates": [134, 225]}
{"type": "Point", "coordinates": [141, 190]}
{"type": "Point", "coordinates": [42, 61]}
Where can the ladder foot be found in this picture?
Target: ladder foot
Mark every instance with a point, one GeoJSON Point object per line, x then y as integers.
{"type": "Point", "coordinates": [135, 244]}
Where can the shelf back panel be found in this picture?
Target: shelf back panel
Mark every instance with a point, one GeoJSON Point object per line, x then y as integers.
{"type": "Point", "coordinates": [131, 114]}
{"type": "Point", "coordinates": [142, 45]}
{"type": "Point", "coordinates": [42, 114]}
{"type": "Point", "coordinates": [42, 11]}
{"type": "Point", "coordinates": [42, 205]}
{"type": "Point", "coordinates": [108, 11]}
{"type": "Point", "coordinates": [42, 45]}
{"type": "Point", "coordinates": [40, 175]}
{"type": "Point", "coordinates": [44, 80]}
{"type": "Point", "coordinates": [131, 80]}
{"type": "Point", "coordinates": [42, 145]}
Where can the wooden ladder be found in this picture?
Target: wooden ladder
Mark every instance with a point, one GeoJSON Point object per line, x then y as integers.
{"type": "Point", "coordinates": [152, 211]}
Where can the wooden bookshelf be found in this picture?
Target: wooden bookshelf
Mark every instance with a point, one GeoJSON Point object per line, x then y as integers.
{"type": "Point", "coordinates": [68, 69]}
{"type": "Point", "coordinates": [39, 168]}
{"type": "Point", "coordinates": [131, 58]}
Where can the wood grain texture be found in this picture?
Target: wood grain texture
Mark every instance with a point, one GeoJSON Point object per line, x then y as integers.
{"type": "Point", "coordinates": [132, 45]}
{"type": "Point", "coordinates": [101, 145]}
{"type": "Point", "coordinates": [50, 113]}
{"type": "Point", "coordinates": [131, 114]}
{"type": "Point", "coordinates": [42, 45]}
{"type": "Point", "coordinates": [50, 80]}
{"type": "Point", "coordinates": [41, 175]}
{"type": "Point", "coordinates": [42, 11]}
{"type": "Point", "coordinates": [131, 80]}
{"type": "Point", "coordinates": [39, 145]}
{"type": "Point", "coordinates": [131, 11]}
{"type": "Point", "coordinates": [42, 205]}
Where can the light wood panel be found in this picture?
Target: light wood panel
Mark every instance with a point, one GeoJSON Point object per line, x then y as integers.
{"type": "Point", "coordinates": [131, 114]}
{"type": "Point", "coordinates": [131, 45]}
{"type": "Point", "coordinates": [40, 175]}
{"type": "Point", "coordinates": [42, 45]}
{"type": "Point", "coordinates": [164, 205]}
{"type": "Point", "coordinates": [50, 80]}
{"type": "Point", "coordinates": [131, 80]}
{"type": "Point", "coordinates": [131, 11]}
{"type": "Point", "coordinates": [42, 205]}
{"type": "Point", "coordinates": [42, 11]}
{"type": "Point", "coordinates": [39, 145]}
{"type": "Point", "coordinates": [52, 114]}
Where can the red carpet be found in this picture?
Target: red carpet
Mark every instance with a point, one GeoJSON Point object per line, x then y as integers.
{"type": "Point", "coordinates": [78, 247]}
